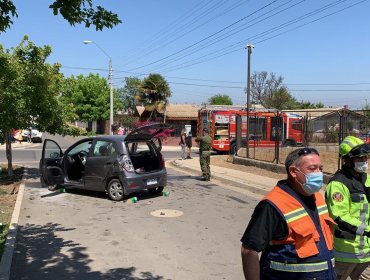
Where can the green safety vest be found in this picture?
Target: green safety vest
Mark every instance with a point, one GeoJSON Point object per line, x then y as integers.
{"type": "Point", "coordinates": [348, 203]}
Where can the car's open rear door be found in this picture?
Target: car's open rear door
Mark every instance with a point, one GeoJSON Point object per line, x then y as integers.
{"type": "Point", "coordinates": [51, 168]}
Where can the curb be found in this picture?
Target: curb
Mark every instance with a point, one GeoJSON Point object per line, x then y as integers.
{"type": "Point", "coordinates": [6, 260]}
{"type": "Point", "coordinates": [223, 180]}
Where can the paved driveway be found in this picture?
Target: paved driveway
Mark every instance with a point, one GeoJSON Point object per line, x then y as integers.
{"type": "Point", "coordinates": [83, 235]}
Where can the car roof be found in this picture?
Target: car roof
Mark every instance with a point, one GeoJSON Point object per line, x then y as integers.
{"type": "Point", "coordinates": [109, 137]}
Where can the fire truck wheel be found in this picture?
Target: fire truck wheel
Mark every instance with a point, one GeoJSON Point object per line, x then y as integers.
{"type": "Point", "coordinates": [289, 143]}
{"type": "Point", "coordinates": [233, 149]}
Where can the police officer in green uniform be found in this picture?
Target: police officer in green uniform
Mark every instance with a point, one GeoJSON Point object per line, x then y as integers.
{"type": "Point", "coordinates": [205, 143]}
{"type": "Point", "coordinates": [347, 197]}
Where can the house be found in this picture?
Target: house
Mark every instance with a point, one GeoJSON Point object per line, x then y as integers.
{"type": "Point", "coordinates": [176, 115]}
{"type": "Point", "coordinates": [328, 123]}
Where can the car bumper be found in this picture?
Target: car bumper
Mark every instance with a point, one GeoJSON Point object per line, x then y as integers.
{"type": "Point", "coordinates": [133, 183]}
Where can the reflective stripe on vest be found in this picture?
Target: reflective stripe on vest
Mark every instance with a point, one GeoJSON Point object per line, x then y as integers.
{"type": "Point", "coordinates": [304, 267]}
{"type": "Point", "coordinates": [360, 231]}
{"type": "Point", "coordinates": [301, 212]}
{"type": "Point", "coordinates": [322, 209]}
{"type": "Point", "coordinates": [357, 256]}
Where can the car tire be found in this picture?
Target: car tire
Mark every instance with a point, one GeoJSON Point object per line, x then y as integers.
{"type": "Point", "coordinates": [156, 190]}
{"type": "Point", "coordinates": [115, 190]}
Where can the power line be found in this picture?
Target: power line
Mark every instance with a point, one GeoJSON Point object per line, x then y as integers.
{"type": "Point", "coordinates": [258, 10]}
{"type": "Point", "coordinates": [227, 50]}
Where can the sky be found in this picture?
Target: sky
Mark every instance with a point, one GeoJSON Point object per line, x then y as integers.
{"type": "Point", "coordinates": [320, 47]}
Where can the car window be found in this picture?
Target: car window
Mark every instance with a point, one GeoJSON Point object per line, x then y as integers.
{"type": "Point", "coordinates": [138, 148]}
{"type": "Point", "coordinates": [52, 150]}
{"type": "Point", "coordinates": [84, 146]}
{"type": "Point", "coordinates": [103, 148]}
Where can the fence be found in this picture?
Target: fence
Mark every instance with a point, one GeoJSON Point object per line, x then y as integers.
{"type": "Point", "coordinates": [320, 129]}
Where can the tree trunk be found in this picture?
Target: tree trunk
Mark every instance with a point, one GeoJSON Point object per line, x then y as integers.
{"type": "Point", "coordinates": [9, 154]}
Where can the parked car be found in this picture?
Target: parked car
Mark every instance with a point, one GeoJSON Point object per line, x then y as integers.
{"type": "Point", "coordinates": [36, 135]}
{"type": "Point", "coordinates": [115, 164]}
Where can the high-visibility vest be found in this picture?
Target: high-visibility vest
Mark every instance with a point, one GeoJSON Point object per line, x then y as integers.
{"type": "Point", "coordinates": [308, 247]}
{"type": "Point", "coordinates": [348, 201]}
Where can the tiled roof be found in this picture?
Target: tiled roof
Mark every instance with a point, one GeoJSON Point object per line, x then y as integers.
{"type": "Point", "coordinates": [177, 111]}
{"type": "Point", "coordinates": [314, 113]}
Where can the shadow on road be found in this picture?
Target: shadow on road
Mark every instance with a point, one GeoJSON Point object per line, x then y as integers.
{"type": "Point", "coordinates": [40, 254]}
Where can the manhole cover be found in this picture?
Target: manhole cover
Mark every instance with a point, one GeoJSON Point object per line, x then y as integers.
{"type": "Point", "coordinates": [166, 213]}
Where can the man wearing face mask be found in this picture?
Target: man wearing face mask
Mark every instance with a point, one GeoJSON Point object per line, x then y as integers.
{"type": "Point", "coordinates": [348, 196]}
{"type": "Point", "coordinates": [291, 226]}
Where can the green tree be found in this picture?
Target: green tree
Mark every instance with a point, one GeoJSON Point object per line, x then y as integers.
{"type": "Point", "coordinates": [154, 94]}
{"type": "Point", "coordinates": [28, 92]}
{"type": "Point", "coordinates": [220, 99]}
{"type": "Point", "coordinates": [128, 92]}
{"type": "Point", "coordinates": [279, 99]}
{"type": "Point", "coordinates": [88, 98]}
{"type": "Point", "coordinates": [264, 84]}
{"type": "Point", "coordinates": [75, 12]}
{"type": "Point", "coordinates": [309, 105]}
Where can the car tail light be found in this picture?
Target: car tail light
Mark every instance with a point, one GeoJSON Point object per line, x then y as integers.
{"type": "Point", "coordinates": [162, 164]}
{"type": "Point", "coordinates": [127, 164]}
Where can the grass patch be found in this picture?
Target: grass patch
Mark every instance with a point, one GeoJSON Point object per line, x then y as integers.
{"type": "Point", "coordinates": [8, 196]}
{"type": "Point", "coordinates": [3, 233]}
{"type": "Point", "coordinates": [5, 179]}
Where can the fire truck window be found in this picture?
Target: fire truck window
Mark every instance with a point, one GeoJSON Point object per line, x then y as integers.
{"type": "Point", "coordinates": [297, 125]}
{"type": "Point", "coordinates": [258, 128]}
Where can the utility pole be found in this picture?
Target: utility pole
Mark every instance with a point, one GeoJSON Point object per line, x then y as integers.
{"type": "Point", "coordinates": [249, 47]}
{"type": "Point", "coordinates": [110, 97]}
{"type": "Point", "coordinates": [110, 81]}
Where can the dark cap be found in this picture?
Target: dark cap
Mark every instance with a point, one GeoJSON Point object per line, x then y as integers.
{"type": "Point", "coordinates": [295, 154]}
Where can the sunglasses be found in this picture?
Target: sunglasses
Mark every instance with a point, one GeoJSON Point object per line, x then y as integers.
{"type": "Point", "coordinates": [360, 151]}
{"type": "Point", "coordinates": [307, 151]}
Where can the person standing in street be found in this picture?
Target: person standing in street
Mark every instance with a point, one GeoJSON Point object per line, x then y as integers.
{"type": "Point", "coordinates": [19, 136]}
{"type": "Point", "coordinates": [291, 226]}
{"type": "Point", "coordinates": [189, 144]}
{"type": "Point", "coordinates": [182, 143]}
{"type": "Point", "coordinates": [205, 144]}
{"type": "Point", "coordinates": [29, 137]}
{"type": "Point", "coordinates": [348, 197]}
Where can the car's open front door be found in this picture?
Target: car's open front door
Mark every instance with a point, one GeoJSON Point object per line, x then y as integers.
{"type": "Point", "coordinates": [51, 168]}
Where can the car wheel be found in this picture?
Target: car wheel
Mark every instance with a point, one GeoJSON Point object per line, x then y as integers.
{"type": "Point", "coordinates": [115, 190]}
{"type": "Point", "coordinates": [156, 190]}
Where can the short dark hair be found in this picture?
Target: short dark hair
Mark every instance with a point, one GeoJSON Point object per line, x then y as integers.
{"type": "Point", "coordinates": [296, 154]}
{"type": "Point", "coordinates": [205, 130]}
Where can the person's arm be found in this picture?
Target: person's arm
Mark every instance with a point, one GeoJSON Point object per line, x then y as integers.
{"type": "Point", "coordinates": [339, 205]}
{"type": "Point", "coordinates": [265, 225]}
{"type": "Point", "coordinates": [251, 264]}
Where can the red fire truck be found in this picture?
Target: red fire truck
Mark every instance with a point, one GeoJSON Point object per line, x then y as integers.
{"type": "Point", "coordinates": [266, 128]}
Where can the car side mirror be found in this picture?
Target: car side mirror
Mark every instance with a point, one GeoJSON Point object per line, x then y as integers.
{"type": "Point", "coordinates": [54, 155]}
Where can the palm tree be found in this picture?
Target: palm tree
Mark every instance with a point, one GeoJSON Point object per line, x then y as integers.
{"type": "Point", "coordinates": [154, 94]}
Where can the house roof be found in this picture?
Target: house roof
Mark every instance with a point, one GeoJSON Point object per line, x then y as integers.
{"type": "Point", "coordinates": [314, 113]}
{"type": "Point", "coordinates": [176, 111]}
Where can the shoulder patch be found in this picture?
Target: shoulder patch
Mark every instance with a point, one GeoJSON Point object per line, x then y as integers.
{"type": "Point", "coordinates": [338, 197]}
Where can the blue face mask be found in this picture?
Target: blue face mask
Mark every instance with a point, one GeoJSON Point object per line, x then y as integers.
{"type": "Point", "coordinates": [314, 182]}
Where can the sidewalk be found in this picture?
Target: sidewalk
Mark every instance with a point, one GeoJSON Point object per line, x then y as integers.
{"type": "Point", "coordinates": [18, 145]}
{"type": "Point", "coordinates": [233, 177]}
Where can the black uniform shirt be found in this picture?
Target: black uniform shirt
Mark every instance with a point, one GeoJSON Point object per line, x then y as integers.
{"type": "Point", "coordinates": [267, 224]}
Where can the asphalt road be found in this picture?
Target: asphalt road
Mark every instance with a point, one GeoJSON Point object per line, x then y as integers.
{"type": "Point", "coordinates": [29, 154]}
{"type": "Point", "coordinates": [84, 235]}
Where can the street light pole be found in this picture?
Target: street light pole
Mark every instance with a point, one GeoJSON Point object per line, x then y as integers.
{"type": "Point", "coordinates": [110, 81]}
{"type": "Point", "coordinates": [249, 47]}
{"type": "Point", "coordinates": [110, 97]}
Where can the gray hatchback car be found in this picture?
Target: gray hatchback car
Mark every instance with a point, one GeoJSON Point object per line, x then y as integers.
{"type": "Point", "coordinates": [115, 164]}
